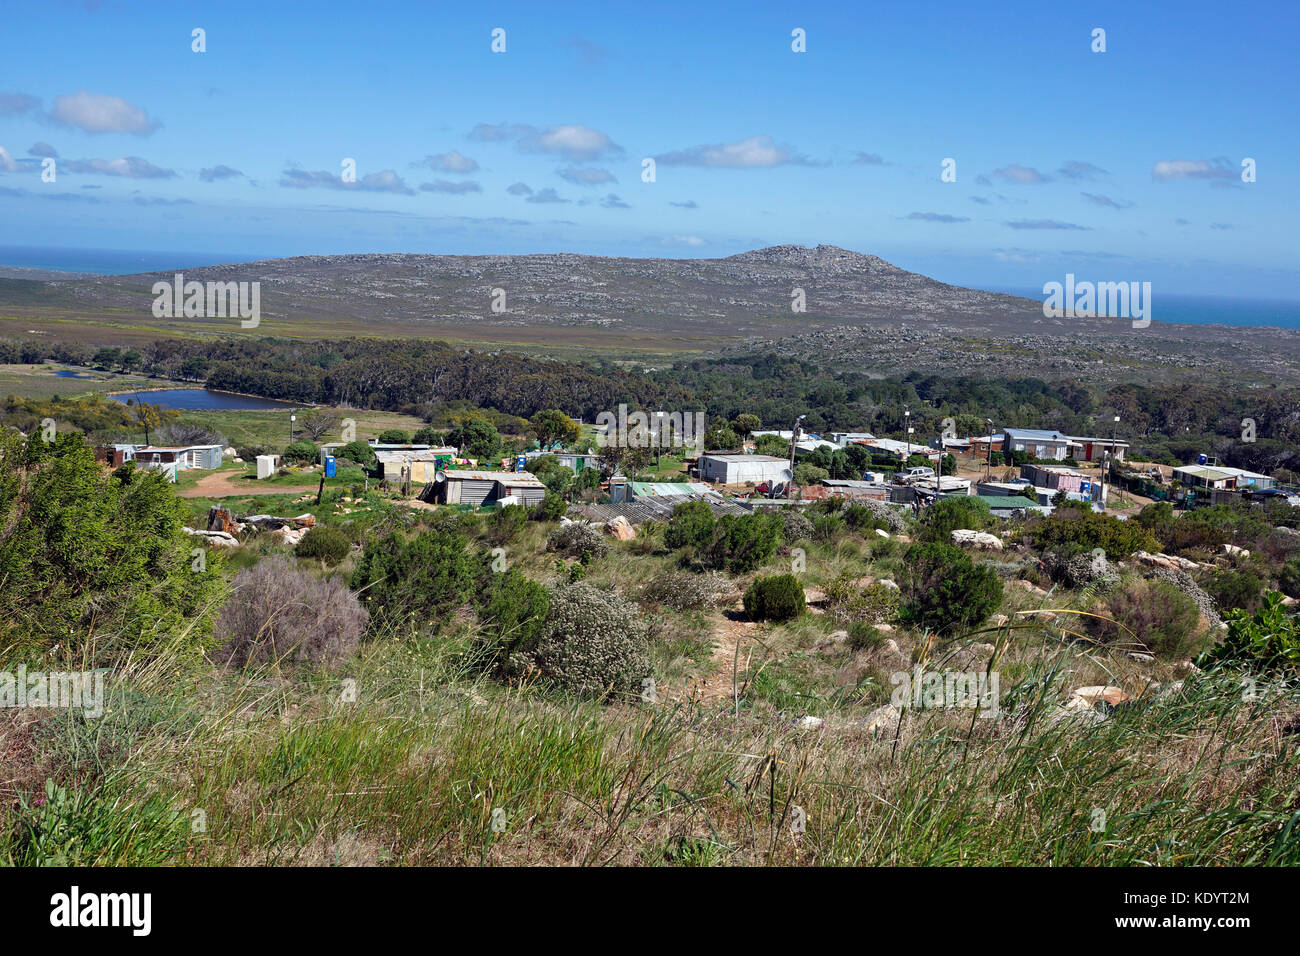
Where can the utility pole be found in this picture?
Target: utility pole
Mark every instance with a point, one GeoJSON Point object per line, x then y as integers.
{"type": "Point", "coordinates": [794, 437]}
{"type": "Point", "coordinates": [292, 418]}
{"type": "Point", "coordinates": [988, 474]}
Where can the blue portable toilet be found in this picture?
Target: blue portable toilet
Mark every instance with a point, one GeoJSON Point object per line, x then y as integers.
{"type": "Point", "coordinates": [521, 463]}
{"type": "Point", "coordinates": [330, 470]}
{"type": "Point", "coordinates": [1202, 459]}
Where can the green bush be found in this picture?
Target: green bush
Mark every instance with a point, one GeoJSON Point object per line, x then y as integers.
{"type": "Point", "coordinates": [1072, 530]}
{"type": "Point", "coordinates": [594, 642]}
{"type": "Point", "coordinates": [741, 543]}
{"type": "Point", "coordinates": [1266, 642]}
{"type": "Point", "coordinates": [683, 590]}
{"type": "Point", "coordinates": [551, 508]}
{"type": "Point", "coordinates": [394, 436]}
{"type": "Point", "coordinates": [808, 474]}
{"type": "Point", "coordinates": [778, 597]}
{"type": "Point", "coordinates": [1289, 578]}
{"type": "Point", "coordinates": [864, 636]}
{"type": "Point", "coordinates": [424, 578]}
{"type": "Point", "coordinates": [512, 613]}
{"type": "Point", "coordinates": [949, 514]}
{"type": "Point", "coordinates": [89, 557]}
{"type": "Point", "coordinates": [302, 453]}
{"type": "Point", "coordinates": [357, 451]}
{"type": "Point", "coordinates": [691, 526]}
{"type": "Point", "coordinates": [505, 523]}
{"type": "Point", "coordinates": [1154, 614]}
{"type": "Point", "coordinates": [827, 527]}
{"type": "Point", "coordinates": [1236, 590]}
{"type": "Point", "coordinates": [943, 589]}
{"type": "Point", "coordinates": [325, 542]}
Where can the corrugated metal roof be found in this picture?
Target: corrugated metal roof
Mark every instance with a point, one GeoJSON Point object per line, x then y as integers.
{"type": "Point", "coordinates": [652, 489]}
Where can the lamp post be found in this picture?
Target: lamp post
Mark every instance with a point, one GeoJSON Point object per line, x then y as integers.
{"type": "Point", "coordinates": [1105, 461]}
{"type": "Point", "coordinates": [794, 436]}
{"type": "Point", "coordinates": [988, 475]}
{"type": "Point", "coordinates": [292, 418]}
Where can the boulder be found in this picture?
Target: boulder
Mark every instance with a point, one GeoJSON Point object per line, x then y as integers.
{"type": "Point", "coordinates": [1170, 561]}
{"type": "Point", "coordinates": [976, 539]}
{"type": "Point", "coordinates": [882, 532]}
{"type": "Point", "coordinates": [883, 721]}
{"type": "Point", "coordinates": [1098, 694]}
{"type": "Point", "coordinates": [809, 722]}
{"type": "Point", "coordinates": [220, 539]}
{"type": "Point", "coordinates": [619, 527]}
{"type": "Point", "coordinates": [1235, 551]}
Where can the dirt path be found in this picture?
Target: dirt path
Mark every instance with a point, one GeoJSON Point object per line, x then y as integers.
{"type": "Point", "coordinates": [229, 484]}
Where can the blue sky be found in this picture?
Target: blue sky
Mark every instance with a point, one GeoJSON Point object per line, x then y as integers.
{"type": "Point", "coordinates": [1123, 165]}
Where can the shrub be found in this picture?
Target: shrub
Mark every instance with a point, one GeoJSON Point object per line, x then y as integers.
{"type": "Point", "coordinates": [883, 516]}
{"type": "Point", "coordinates": [394, 436]}
{"type": "Point", "coordinates": [1076, 529]}
{"type": "Point", "coordinates": [809, 474]}
{"type": "Point", "coordinates": [742, 543]}
{"type": "Point", "coordinates": [847, 602]}
{"type": "Point", "coordinates": [1162, 619]}
{"type": "Point", "coordinates": [302, 453]}
{"type": "Point", "coordinates": [828, 527]}
{"type": "Point", "coordinates": [512, 614]}
{"type": "Point", "coordinates": [428, 576]}
{"type": "Point", "coordinates": [943, 588]}
{"type": "Point", "coordinates": [947, 515]}
{"type": "Point", "coordinates": [778, 597]}
{"type": "Point", "coordinates": [277, 613]}
{"type": "Point", "coordinates": [795, 525]}
{"type": "Point", "coordinates": [682, 590]}
{"type": "Point", "coordinates": [1289, 579]}
{"type": "Point", "coordinates": [551, 508]}
{"type": "Point", "coordinates": [1266, 642]}
{"type": "Point", "coordinates": [85, 552]}
{"type": "Point", "coordinates": [594, 641]}
{"type": "Point", "coordinates": [504, 523]}
{"type": "Point", "coordinates": [357, 451]}
{"type": "Point", "coordinates": [864, 636]}
{"type": "Point", "coordinates": [1236, 590]}
{"type": "Point", "coordinates": [326, 542]}
{"type": "Point", "coordinates": [580, 541]}
{"type": "Point", "coordinates": [691, 526]}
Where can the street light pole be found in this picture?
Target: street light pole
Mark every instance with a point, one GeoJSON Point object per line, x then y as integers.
{"type": "Point", "coordinates": [988, 474]}
{"type": "Point", "coordinates": [794, 436]}
{"type": "Point", "coordinates": [292, 418]}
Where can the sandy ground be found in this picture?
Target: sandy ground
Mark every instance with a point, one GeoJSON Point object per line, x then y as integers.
{"type": "Point", "coordinates": [228, 484]}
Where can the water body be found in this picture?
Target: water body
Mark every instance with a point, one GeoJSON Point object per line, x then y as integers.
{"type": "Point", "coordinates": [68, 373]}
{"type": "Point", "coordinates": [1207, 310]}
{"type": "Point", "coordinates": [113, 262]}
{"type": "Point", "coordinates": [202, 399]}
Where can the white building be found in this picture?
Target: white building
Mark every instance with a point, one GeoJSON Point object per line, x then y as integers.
{"type": "Point", "coordinates": [744, 469]}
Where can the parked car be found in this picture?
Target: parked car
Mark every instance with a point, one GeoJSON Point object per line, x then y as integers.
{"type": "Point", "coordinates": [920, 472]}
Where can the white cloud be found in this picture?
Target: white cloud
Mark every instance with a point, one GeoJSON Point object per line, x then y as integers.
{"type": "Point", "coordinates": [97, 113]}
{"type": "Point", "coordinates": [452, 162]}
{"type": "Point", "coordinates": [757, 152]}
{"type": "Point", "coordinates": [131, 167]}
{"type": "Point", "coordinates": [1168, 169]}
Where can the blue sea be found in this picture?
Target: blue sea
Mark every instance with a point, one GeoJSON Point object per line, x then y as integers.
{"type": "Point", "coordinates": [1209, 310]}
{"type": "Point", "coordinates": [113, 262]}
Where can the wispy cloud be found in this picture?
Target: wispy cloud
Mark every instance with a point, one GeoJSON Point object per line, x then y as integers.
{"type": "Point", "coordinates": [1104, 201]}
{"type": "Point", "coordinates": [15, 104]}
{"type": "Point", "coordinates": [384, 181]}
{"type": "Point", "coordinates": [1079, 171]}
{"type": "Point", "coordinates": [459, 188]}
{"type": "Point", "coordinates": [519, 189]}
{"type": "Point", "coordinates": [1021, 175]}
{"type": "Point", "coordinates": [613, 202]}
{"type": "Point", "coordinates": [546, 195]}
{"type": "Point", "coordinates": [130, 167]}
{"type": "Point", "coordinates": [452, 162]}
{"type": "Point", "coordinates": [1171, 169]}
{"type": "Point", "coordinates": [214, 173]}
{"type": "Point", "coordinates": [689, 204]}
{"type": "Point", "coordinates": [573, 141]}
{"type": "Point", "coordinates": [757, 152]}
{"type": "Point", "coordinates": [868, 159]}
{"type": "Point", "coordinates": [587, 175]}
{"type": "Point", "coordinates": [937, 217]}
{"type": "Point", "coordinates": [99, 113]}
{"type": "Point", "coordinates": [1044, 224]}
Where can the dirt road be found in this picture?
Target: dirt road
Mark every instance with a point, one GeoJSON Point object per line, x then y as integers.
{"type": "Point", "coordinates": [229, 484]}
